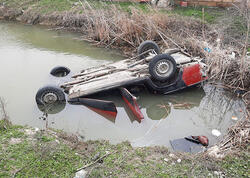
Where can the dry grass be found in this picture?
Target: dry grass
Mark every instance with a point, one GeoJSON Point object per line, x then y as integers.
{"type": "Point", "coordinates": [114, 28]}
{"type": "Point", "coordinates": [5, 118]}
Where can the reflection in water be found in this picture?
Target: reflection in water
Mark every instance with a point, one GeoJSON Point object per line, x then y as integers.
{"type": "Point", "coordinates": [59, 41]}
{"type": "Point", "coordinates": [52, 108]}
{"type": "Point", "coordinates": [159, 106]}
{"type": "Point", "coordinates": [29, 53]}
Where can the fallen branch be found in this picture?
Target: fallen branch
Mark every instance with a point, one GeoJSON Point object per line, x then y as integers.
{"type": "Point", "coordinates": [96, 161]}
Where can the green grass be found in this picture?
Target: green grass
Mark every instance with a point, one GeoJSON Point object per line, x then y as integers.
{"type": "Point", "coordinates": [48, 6]}
{"type": "Point", "coordinates": [236, 166]}
{"type": "Point", "coordinates": [126, 6]}
{"type": "Point", "coordinates": [210, 15]}
{"type": "Point", "coordinates": [44, 155]}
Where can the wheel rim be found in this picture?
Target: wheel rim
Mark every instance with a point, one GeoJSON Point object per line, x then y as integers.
{"type": "Point", "coordinates": [50, 98]}
{"type": "Point", "coordinates": [164, 68]}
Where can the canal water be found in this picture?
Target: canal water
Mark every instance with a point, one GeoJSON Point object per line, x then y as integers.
{"type": "Point", "coordinates": [28, 53]}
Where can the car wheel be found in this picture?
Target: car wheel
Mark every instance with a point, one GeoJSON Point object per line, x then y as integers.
{"type": "Point", "coordinates": [145, 46]}
{"type": "Point", "coordinates": [162, 67]}
{"type": "Point", "coordinates": [60, 71]}
{"type": "Point", "coordinates": [49, 95]}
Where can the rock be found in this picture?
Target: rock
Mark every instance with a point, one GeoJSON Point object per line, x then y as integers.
{"type": "Point", "coordinates": [165, 159]}
{"type": "Point", "coordinates": [216, 133]}
{"type": "Point", "coordinates": [76, 3]}
{"type": "Point", "coordinates": [154, 2]}
{"type": "Point", "coordinates": [81, 174]}
{"type": "Point", "coordinates": [178, 160]}
{"type": "Point", "coordinates": [30, 132]}
{"type": "Point", "coordinates": [15, 141]}
{"type": "Point", "coordinates": [163, 3]}
{"type": "Point", "coordinates": [218, 174]}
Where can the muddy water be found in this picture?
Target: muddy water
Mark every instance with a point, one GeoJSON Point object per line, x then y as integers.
{"type": "Point", "coordinates": [27, 53]}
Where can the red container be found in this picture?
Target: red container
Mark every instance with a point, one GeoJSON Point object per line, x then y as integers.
{"type": "Point", "coordinates": [183, 4]}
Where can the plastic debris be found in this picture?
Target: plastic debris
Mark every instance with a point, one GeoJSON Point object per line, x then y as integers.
{"type": "Point", "coordinates": [208, 50]}
{"type": "Point", "coordinates": [178, 160]}
{"type": "Point", "coordinates": [216, 133]}
{"type": "Point", "coordinates": [234, 118]}
{"type": "Point", "coordinates": [201, 139]}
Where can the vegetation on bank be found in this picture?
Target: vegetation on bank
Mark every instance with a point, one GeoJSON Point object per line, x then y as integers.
{"type": "Point", "coordinates": [25, 152]}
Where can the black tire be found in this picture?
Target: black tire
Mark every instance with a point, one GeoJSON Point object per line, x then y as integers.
{"type": "Point", "coordinates": [162, 67]}
{"type": "Point", "coordinates": [147, 45]}
{"type": "Point", "coordinates": [49, 95]}
{"type": "Point", "coordinates": [60, 71]}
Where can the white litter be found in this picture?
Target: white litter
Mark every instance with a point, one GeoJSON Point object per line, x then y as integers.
{"type": "Point", "coordinates": [81, 174]}
{"type": "Point", "coordinates": [171, 155]}
{"type": "Point", "coordinates": [216, 132]}
{"type": "Point", "coordinates": [165, 159]}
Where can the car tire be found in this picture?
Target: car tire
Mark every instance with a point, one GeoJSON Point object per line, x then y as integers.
{"type": "Point", "coordinates": [60, 71]}
{"type": "Point", "coordinates": [162, 67]}
{"type": "Point", "coordinates": [145, 46]}
{"type": "Point", "coordinates": [49, 95]}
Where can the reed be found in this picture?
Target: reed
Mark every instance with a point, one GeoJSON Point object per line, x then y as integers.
{"type": "Point", "coordinates": [5, 123]}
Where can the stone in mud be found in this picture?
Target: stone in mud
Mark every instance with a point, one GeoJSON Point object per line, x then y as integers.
{"type": "Point", "coordinates": [163, 3]}
{"type": "Point", "coordinates": [34, 19]}
{"type": "Point", "coordinates": [81, 174]}
{"type": "Point", "coordinates": [14, 141]}
{"type": "Point", "coordinates": [9, 14]}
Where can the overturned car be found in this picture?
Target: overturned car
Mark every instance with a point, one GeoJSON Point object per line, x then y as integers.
{"type": "Point", "coordinates": [161, 73]}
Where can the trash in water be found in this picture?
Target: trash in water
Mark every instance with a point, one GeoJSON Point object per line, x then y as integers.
{"type": "Point", "coordinates": [207, 49]}
{"type": "Point", "coordinates": [187, 144]}
{"type": "Point", "coordinates": [234, 118]}
{"type": "Point", "coordinates": [201, 139]}
{"type": "Point", "coordinates": [216, 133]}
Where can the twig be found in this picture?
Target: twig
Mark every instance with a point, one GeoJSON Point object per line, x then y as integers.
{"type": "Point", "coordinates": [96, 161]}
{"type": "Point", "coordinates": [19, 170]}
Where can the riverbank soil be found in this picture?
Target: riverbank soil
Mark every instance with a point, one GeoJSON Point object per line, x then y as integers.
{"type": "Point", "coordinates": [26, 152]}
